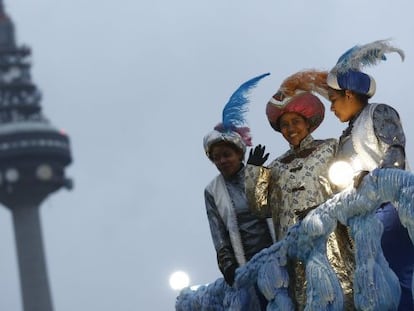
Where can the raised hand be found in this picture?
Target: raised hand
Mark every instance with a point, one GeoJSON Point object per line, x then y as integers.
{"type": "Point", "coordinates": [257, 156]}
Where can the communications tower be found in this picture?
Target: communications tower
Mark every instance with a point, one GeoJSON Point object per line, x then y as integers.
{"type": "Point", "coordinates": [33, 157]}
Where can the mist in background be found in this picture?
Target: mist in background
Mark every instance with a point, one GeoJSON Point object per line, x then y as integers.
{"type": "Point", "coordinates": [136, 85]}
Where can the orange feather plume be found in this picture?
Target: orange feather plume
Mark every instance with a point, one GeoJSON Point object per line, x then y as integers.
{"type": "Point", "coordinates": [305, 80]}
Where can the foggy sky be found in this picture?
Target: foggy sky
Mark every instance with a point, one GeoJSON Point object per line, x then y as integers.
{"type": "Point", "coordinates": [136, 85]}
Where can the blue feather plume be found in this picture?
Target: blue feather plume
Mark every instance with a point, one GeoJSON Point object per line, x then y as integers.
{"type": "Point", "coordinates": [236, 107]}
{"type": "Point", "coordinates": [369, 54]}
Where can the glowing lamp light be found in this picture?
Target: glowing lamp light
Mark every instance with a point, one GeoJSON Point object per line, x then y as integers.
{"type": "Point", "coordinates": [341, 174]}
{"type": "Point", "coordinates": [179, 280]}
{"type": "Point", "coordinates": [12, 175]}
{"type": "Point", "coordinates": [44, 172]}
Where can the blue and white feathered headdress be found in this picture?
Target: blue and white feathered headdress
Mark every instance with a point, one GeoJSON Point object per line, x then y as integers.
{"type": "Point", "coordinates": [346, 74]}
{"type": "Point", "coordinates": [234, 127]}
{"type": "Point", "coordinates": [369, 54]}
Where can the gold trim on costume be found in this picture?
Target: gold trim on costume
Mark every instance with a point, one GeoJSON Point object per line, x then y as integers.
{"type": "Point", "coordinates": [261, 189]}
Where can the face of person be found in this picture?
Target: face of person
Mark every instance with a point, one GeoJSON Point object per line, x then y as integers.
{"type": "Point", "coordinates": [226, 158]}
{"type": "Point", "coordinates": [294, 128]}
{"type": "Point", "coordinates": [344, 105]}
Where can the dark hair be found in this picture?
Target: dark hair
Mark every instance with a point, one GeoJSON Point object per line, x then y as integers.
{"type": "Point", "coordinates": [363, 98]}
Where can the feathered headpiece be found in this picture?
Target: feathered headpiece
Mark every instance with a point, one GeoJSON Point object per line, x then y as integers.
{"type": "Point", "coordinates": [295, 95]}
{"type": "Point", "coordinates": [305, 81]}
{"type": "Point", "coordinates": [233, 127]}
{"type": "Point", "coordinates": [347, 75]}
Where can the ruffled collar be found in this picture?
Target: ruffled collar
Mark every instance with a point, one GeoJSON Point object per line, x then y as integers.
{"type": "Point", "coordinates": [351, 122]}
{"type": "Point", "coordinates": [306, 147]}
{"type": "Point", "coordinates": [304, 144]}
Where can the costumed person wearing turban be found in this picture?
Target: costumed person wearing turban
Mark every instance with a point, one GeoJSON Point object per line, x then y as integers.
{"type": "Point", "coordinates": [237, 233]}
{"type": "Point", "coordinates": [373, 139]}
{"type": "Point", "coordinates": [291, 185]}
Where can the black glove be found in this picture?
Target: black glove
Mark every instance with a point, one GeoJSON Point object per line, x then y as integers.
{"type": "Point", "coordinates": [229, 274]}
{"type": "Point", "coordinates": [257, 156]}
{"type": "Point", "coordinates": [227, 264]}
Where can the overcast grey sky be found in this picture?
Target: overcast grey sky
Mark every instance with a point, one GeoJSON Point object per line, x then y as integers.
{"type": "Point", "coordinates": [137, 84]}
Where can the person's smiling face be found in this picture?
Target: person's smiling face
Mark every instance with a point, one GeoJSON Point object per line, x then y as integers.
{"type": "Point", "coordinates": [294, 127]}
